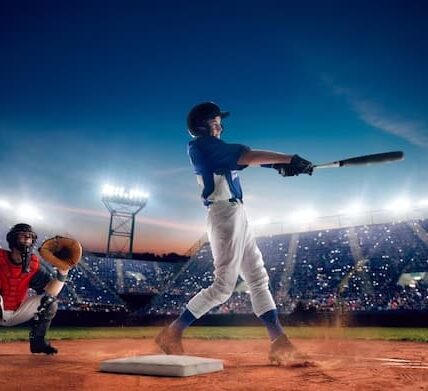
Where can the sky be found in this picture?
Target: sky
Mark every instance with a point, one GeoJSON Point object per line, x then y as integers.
{"type": "Point", "coordinates": [96, 92]}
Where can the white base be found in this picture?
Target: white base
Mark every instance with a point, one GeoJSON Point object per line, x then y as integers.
{"type": "Point", "coordinates": [162, 365]}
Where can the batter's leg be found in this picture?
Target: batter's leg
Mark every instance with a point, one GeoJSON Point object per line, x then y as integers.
{"type": "Point", "coordinates": [227, 239]}
{"type": "Point", "coordinates": [227, 244]}
{"type": "Point", "coordinates": [257, 279]}
{"type": "Point", "coordinates": [254, 273]}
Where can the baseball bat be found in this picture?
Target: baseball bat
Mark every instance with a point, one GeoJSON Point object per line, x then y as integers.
{"type": "Point", "coordinates": [376, 158]}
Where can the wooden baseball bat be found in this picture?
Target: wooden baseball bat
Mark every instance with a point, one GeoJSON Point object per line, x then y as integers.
{"type": "Point", "coordinates": [376, 158]}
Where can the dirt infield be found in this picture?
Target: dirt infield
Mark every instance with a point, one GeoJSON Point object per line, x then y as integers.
{"type": "Point", "coordinates": [338, 364]}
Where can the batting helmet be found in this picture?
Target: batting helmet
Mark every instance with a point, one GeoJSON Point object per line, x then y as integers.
{"type": "Point", "coordinates": [199, 115]}
{"type": "Point", "coordinates": [12, 235]}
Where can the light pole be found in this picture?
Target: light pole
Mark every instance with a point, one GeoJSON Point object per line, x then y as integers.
{"type": "Point", "coordinates": [123, 206]}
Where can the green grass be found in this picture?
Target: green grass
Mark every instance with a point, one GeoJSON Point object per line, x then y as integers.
{"type": "Point", "coordinates": [380, 333]}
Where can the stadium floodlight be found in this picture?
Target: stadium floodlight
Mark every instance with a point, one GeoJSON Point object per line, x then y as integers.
{"type": "Point", "coordinates": [305, 215]}
{"type": "Point", "coordinates": [422, 203]}
{"type": "Point", "coordinates": [354, 209]}
{"type": "Point", "coordinates": [400, 205]}
{"type": "Point", "coordinates": [5, 204]}
{"type": "Point", "coordinates": [262, 221]}
{"type": "Point", "coordinates": [123, 205]}
{"type": "Point", "coordinates": [108, 190]}
{"type": "Point", "coordinates": [28, 212]}
{"type": "Point", "coordinates": [120, 194]}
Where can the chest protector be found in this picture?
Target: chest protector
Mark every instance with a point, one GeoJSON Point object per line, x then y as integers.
{"type": "Point", "coordinates": [13, 283]}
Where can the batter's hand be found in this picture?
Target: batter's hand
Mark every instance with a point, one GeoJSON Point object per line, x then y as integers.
{"type": "Point", "coordinates": [301, 165]}
{"type": "Point", "coordinates": [296, 167]}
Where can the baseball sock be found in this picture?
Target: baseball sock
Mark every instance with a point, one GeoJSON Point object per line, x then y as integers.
{"type": "Point", "coordinates": [183, 321]}
{"type": "Point", "coordinates": [271, 321]}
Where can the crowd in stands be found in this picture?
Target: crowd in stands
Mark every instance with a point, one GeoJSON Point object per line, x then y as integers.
{"type": "Point", "coordinates": [85, 291]}
{"type": "Point", "coordinates": [349, 269]}
{"type": "Point", "coordinates": [97, 283]}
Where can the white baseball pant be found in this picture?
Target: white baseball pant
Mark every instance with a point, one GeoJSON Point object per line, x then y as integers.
{"type": "Point", "coordinates": [24, 313]}
{"type": "Point", "coordinates": [235, 254]}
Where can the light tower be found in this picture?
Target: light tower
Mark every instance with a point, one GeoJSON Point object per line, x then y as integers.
{"type": "Point", "coordinates": [123, 206]}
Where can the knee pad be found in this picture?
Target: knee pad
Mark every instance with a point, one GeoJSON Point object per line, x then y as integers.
{"type": "Point", "coordinates": [47, 308]}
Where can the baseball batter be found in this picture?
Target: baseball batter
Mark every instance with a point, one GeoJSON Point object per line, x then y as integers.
{"type": "Point", "coordinates": [235, 252]}
{"type": "Point", "coordinates": [21, 270]}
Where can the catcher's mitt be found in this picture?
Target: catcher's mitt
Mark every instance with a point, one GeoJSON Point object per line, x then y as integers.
{"type": "Point", "coordinates": [63, 253]}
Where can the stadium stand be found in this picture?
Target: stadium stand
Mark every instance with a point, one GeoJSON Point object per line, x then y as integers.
{"type": "Point", "coordinates": [380, 267]}
{"type": "Point", "coordinates": [355, 268]}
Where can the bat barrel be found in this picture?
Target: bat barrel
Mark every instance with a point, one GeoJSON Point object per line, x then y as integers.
{"type": "Point", "coordinates": [385, 157]}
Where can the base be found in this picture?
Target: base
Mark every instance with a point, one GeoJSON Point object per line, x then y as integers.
{"type": "Point", "coordinates": [163, 365]}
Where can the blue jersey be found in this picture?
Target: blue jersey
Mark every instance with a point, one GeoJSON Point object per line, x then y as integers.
{"type": "Point", "coordinates": [215, 164]}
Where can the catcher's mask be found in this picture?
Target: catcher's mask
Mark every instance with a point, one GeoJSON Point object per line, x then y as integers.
{"type": "Point", "coordinates": [12, 240]}
{"type": "Point", "coordinates": [199, 115]}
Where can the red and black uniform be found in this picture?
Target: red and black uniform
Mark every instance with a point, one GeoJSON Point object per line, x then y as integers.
{"type": "Point", "coordinates": [14, 284]}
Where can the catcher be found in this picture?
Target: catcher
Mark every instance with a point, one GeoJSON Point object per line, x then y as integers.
{"type": "Point", "coordinates": [21, 270]}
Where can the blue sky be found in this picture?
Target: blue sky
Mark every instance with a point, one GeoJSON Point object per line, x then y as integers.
{"type": "Point", "coordinates": [97, 91]}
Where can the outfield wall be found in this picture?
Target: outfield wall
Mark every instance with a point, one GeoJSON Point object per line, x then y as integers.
{"type": "Point", "coordinates": [396, 318]}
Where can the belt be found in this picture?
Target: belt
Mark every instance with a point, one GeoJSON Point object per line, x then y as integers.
{"type": "Point", "coordinates": [231, 200]}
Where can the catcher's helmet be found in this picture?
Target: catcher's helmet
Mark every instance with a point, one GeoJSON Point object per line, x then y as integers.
{"type": "Point", "coordinates": [12, 235]}
{"type": "Point", "coordinates": [200, 114]}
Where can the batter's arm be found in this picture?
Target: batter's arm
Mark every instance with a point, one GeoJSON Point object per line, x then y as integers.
{"type": "Point", "coordinates": [254, 157]}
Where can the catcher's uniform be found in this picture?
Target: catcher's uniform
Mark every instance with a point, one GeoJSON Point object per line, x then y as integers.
{"type": "Point", "coordinates": [233, 246]}
{"type": "Point", "coordinates": [17, 305]}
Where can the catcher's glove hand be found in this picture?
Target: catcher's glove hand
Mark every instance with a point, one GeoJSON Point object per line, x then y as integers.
{"type": "Point", "coordinates": [63, 253]}
{"type": "Point", "coordinates": [296, 166]}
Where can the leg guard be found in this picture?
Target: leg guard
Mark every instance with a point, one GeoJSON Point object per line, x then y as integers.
{"type": "Point", "coordinates": [40, 325]}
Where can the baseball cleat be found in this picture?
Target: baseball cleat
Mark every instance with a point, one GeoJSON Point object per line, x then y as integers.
{"type": "Point", "coordinates": [169, 341]}
{"type": "Point", "coordinates": [41, 346]}
{"type": "Point", "coordinates": [281, 349]}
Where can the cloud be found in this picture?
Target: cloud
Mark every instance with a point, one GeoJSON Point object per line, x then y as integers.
{"type": "Point", "coordinates": [375, 115]}
{"type": "Point", "coordinates": [416, 132]}
{"type": "Point", "coordinates": [162, 223]}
